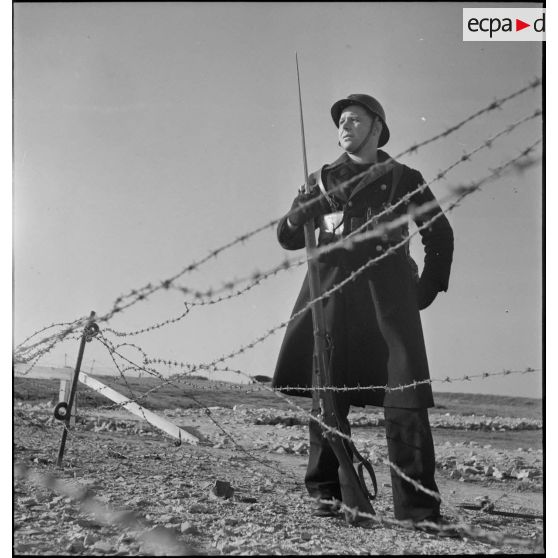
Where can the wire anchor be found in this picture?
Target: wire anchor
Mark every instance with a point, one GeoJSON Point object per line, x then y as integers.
{"type": "Point", "coordinates": [63, 410]}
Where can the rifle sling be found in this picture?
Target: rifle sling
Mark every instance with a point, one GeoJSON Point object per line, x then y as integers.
{"type": "Point", "coordinates": [365, 464]}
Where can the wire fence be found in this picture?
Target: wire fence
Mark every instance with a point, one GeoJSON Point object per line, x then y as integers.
{"type": "Point", "coordinates": [125, 301]}
{"type": "Point", "coordinates": [31, 351]}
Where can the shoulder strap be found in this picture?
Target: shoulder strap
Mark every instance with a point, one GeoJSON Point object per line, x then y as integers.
{"type": "Point", "coordinates": [396, 178]}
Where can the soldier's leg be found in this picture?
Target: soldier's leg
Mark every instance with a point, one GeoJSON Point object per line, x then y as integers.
{"type": "Point", "coordinates": [411, 448]}
{"type": "Point", "coordinates": [322, 479]}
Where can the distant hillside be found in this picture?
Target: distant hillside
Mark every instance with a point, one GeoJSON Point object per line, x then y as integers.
{"type": "Point", "coordinates": [222, 394]}
{"type": "Point", "coordinates": [55, 372]}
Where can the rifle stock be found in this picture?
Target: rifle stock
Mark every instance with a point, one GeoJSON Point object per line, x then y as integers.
{"type": "Point", "coordinates": [353, 494]}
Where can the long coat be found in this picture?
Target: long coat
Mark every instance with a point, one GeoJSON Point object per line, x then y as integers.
{"type": "Point", "coordinates": [373, 322]}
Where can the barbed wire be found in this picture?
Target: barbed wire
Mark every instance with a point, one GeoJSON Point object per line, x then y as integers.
{"type": "Point", "coordinates": [28, 355]}
{"type": "Point", "coordinates": [48, 327]}
{"type": "Point", "coordinates": [167, 539]}
{"type": "Point", "coordinates": [460, 528]}
{"type": "Point", "coordinates": [20, 355]}
{"type": "Point", "coordinates": [537, 82]}
{"type": "Point", "coordinates": [466, 190]}
{"type": "Point", "coordinates": [257, 277]}
{"type": "Point", "coordinates": [137, 295]}
{"type": "Point", "coordinates": [336, 432]}
{"type": "Point", "coordinates": [152, 327]}
{"type": "Point", "coordinates": [191, 368]}
{"type": "Point", "coordinates": [417, 485]}
{"type": "Point", "coordinates": [168, 381]}
{"type": "Point", "coordinates": [182, 379]}
{"type": "Point", "coordinates": [161, 538]}
{"type": "Point", "coordinates": [462, 192]}
{"type": "Point", "coordinates": [466, 157]}
{"type": "Point", "coordinates": [395, 468]}
{"type": "Point", "coordinates": [36, 357]}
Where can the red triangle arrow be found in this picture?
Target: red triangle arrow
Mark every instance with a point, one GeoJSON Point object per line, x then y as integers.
{"type": "Point", "coordinates": [519, 25]}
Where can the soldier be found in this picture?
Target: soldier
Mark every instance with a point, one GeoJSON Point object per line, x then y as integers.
{"type": "Point", "coordinates": [373, 322]}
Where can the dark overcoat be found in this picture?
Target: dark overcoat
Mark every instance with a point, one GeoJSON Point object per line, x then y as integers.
{"type": "Point", "coordinates": [373, 322]}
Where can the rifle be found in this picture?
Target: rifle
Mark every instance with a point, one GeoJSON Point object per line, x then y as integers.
{"type": "Point", "coordinates": [354, 492]}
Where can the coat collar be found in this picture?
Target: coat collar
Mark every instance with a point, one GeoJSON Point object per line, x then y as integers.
{"type": "Point", "coordinates": [344, 159]}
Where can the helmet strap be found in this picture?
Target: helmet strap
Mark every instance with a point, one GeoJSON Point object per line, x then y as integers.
{"type": "Point", "coordinates": [365, 140]}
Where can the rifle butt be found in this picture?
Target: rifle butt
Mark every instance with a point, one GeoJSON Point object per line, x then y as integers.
{"type": "Point", "coordinates": [352, 493]}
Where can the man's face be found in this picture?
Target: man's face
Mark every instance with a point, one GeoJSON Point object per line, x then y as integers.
{"type": "Point", "coordinates": [354, 124]}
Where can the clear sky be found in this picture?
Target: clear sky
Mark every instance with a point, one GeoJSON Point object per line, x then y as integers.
{"type": "Point", "coordinates": [148, 134]}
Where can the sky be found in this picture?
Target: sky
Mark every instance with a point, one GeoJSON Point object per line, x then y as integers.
{"type": "Point", "coordinates": [147, 135]}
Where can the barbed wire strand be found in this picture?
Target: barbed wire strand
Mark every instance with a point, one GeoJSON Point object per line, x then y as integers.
{"type": "Point", "coordinates": [395, 468]}
{"type": "Point", "coordinates": [461, 528]}
{"type": "Point", "coordinates": [35, 358]}
{"type": "Point", "coordinates": [417, 485]}
{"type": "Point", "coordinates": [385, 166]}
{"type": "Point", "coordinates": [398, 471]}
{"type": "Point", "coordinates": [464, 528]}
{"type": "Point", "coordinates": [161, 538]}
{"type": "Point", "coordinates": [192, 368]}
{"type": "Point", "coordinates": [182, 379]}
{"type": "Point", "coordinates": [104, 341]}
{"type": "Point", "coordinates": [465, 190]}
{"type": "Point", "coordinates": [141, 294]}
{"type": "Point", "coordinates": [257, 277]}
{"type": "Point", "coordinates": [49, 327]}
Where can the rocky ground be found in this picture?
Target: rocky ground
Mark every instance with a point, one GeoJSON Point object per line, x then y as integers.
{"type": "Point", "coordinates": [127, 489]}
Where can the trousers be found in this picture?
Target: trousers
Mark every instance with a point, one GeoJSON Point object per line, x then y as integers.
{"type": "Point", "coordinates": [410, 447]}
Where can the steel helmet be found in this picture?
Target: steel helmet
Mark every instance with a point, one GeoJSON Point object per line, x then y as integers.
{"type": "Point", "coordinates": [367, 102]}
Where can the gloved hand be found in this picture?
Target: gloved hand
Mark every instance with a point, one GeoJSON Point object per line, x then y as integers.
{"type": "Point", "coordinates": [427, 290]}
{"type": "Point", "coordinates": [301, 215]}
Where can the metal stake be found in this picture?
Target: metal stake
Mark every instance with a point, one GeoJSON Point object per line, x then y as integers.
{"type": "Point", "coordinates": [63, 411]}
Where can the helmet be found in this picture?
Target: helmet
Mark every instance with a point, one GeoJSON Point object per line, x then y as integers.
{"type": "Point", "coordinates": [367, 102]}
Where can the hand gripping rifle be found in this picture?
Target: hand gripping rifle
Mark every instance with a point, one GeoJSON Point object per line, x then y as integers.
{"type": "Point", "coordinates": [354, 493]}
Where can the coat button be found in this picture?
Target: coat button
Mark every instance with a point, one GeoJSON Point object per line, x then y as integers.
{"type": "Point", "coordinates": [383, 187]}
{"type": "Point", "coordinates": [379, 248]}
{"type": "Point", "coordinates": [350, 204]}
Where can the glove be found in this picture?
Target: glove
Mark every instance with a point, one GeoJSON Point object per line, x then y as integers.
{"type": "Point", "coordinates": [427, 290]}
{"type": "Point", "coordinates": [300, 215]}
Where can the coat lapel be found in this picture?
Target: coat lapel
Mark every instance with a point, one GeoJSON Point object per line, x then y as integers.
{"type": "Point", "coordinates": [382, 156]}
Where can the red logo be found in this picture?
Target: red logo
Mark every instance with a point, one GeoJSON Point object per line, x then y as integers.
{"type": "Point", "coordinates": [519, 24]}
